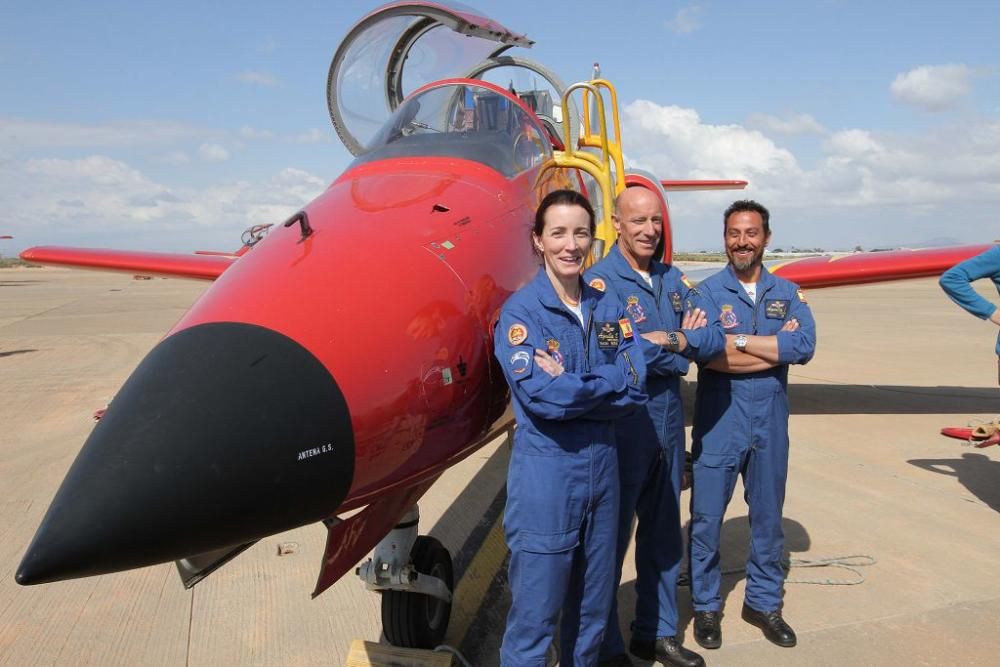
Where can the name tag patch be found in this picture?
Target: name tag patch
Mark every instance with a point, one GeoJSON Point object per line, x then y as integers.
{"type": "Point", "coordinates": [776, 309]}
{"type": "Point", "coordinates": [608, 335]}
{"type": "Point", "coordinates": [675, 301]}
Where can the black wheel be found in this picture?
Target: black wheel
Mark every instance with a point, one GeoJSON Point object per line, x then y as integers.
{"type": "Point", "coordinates": [415, 620]}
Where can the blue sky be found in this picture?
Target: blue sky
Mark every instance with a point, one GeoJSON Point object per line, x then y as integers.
{"type": "Point", "coordinates": [176, 125]}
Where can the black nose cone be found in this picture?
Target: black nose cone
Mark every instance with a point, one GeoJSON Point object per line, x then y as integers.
{"type": "Point", "coordinates": [224, 434]}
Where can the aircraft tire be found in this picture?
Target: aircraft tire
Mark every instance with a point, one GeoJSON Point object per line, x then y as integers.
{"type": "Point", "coordinates": [415, 620]}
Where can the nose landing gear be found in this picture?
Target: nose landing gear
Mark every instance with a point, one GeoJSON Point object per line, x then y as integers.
{"type": "Point", "coordinates": [415, 576]}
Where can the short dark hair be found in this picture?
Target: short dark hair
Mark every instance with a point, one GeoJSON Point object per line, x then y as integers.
{"type": "Point", "coordinates": [565, 198]}
{"type": "Point", "coordinates": [750, 206]}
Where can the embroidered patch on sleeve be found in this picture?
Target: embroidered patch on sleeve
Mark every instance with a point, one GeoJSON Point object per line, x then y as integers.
{"type": "Point", "coordinates": [520, 361]}
{"type": "Point", "coordinates": [517, 334]}
{"type": "Point", "coordinates": [598, 284]}
{"type": "Point", "coordinates": [802, 296]}
{"type": "Point", "coordinates": [626, 325]}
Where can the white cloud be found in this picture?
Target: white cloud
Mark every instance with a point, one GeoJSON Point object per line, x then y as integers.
{"type": "Point", "coordinates": [255, 133]}
{"type": "Point", "coordinates": [869, 188]}
{"type": "Point", "coordinates": [176, 157]}
{"type": "Point", "coordinates": [47, 201]}
{"type": "Point", "coordinates": [683, 143]}
{"type": "Point", "coordinates": [790, 123]}
{"type": "Point", "coordinates": [933, 87]}
{"type": "Point", "coordinates": [258, 78]}
{"type": "Point", "coordinates": [16, 133]}
{"type": "Point", "coordinates": [314, 136]}
{"type": "Point", "coordinates": [213, 153]}
{"type": "Point", "coordinates": [685, 21]}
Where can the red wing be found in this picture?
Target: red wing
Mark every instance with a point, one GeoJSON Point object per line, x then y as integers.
{"type": "Point", "coordinates": [171, 265]}
{"type": "Point", "coordinates": [674, 186]}
{"type": "Point", "coordinates": [872, 267]}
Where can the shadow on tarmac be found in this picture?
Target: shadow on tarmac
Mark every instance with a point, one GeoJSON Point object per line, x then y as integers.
{"type": "Point", "coordinates": [976, 472]}
{"type": "Point", "coordinates": [735, 545]}
{"type": "Point", "coordinates": [11, 353]}
{"type": "Point", "coordinates": [857, 399]}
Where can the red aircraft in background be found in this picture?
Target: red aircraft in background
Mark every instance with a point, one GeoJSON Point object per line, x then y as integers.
{"type": "Point", "coordinates": [343, 361]}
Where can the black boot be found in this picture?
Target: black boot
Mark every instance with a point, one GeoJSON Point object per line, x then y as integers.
{"type": "Point", "coordinates": [666, 650]}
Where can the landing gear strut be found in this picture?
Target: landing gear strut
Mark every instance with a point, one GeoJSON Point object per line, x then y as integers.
{"type": "Point", "coordinates": [414, 575]}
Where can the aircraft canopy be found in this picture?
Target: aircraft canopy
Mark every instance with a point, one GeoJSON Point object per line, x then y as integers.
{"type": "Point", "coordinates": [398, 48]}
{"type": "Point", "coordinates": [467, 119]}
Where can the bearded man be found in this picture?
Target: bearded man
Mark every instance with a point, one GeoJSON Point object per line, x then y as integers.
{"type": "Point", "coordinates": [741, 425]}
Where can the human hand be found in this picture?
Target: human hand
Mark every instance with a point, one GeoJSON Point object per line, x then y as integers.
{"type": "Point", "coordinates": [694, 319]}
{"type": "Point", "coordinates": [790, 325]}
{"type": "Point", "coordinates": [545, 361]}
{"type": "Point", "coordinates": [995, 317]}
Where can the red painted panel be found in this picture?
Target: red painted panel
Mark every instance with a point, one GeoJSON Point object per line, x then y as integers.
{"type": "Point", "coordinates": [202, 267]}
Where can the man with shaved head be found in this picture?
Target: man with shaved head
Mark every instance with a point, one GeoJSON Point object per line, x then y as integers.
{"type": "Point", "coordinates": [675, 325]}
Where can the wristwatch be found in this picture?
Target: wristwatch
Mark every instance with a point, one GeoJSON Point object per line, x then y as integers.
{"type": "Point", "coordinates": [741, 342]}
{"type": "Point", "coordinates": [673, 341]}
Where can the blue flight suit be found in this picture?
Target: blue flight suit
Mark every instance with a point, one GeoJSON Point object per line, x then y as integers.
{"type": "Point", "coordinates": [651, 441]}
{"type": "Point", "coordinates": [955, 283]}
{"type": "Point", "coordinates": [741, 427]}
{"type": "Point", "coordinates": [562, 484]}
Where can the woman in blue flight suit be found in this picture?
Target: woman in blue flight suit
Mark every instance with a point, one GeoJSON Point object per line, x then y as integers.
{"type": "Point", "coordinates": [573, 365]}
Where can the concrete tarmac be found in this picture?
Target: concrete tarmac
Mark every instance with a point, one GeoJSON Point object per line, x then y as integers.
{"type": "Point", "coordinates": [869, 475]}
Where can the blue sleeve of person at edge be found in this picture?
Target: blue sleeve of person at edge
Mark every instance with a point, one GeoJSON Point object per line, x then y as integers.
{"type": "Point", "coordinates": [956, 282]}
{"type": "Point", "coordinates": [607, 391]}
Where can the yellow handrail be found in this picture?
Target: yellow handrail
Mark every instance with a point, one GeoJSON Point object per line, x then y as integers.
{"type": "Point", "coordinates": [588, 139]}
{"type": "Point", "coordinates": [598, 168]}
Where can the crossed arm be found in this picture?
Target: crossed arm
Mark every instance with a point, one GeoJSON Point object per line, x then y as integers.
{"type": "Point", "coordinates": [760, 354]}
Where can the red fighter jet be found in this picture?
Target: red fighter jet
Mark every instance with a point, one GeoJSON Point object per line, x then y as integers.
{"type": "Point", "coordinates": [344, 360]}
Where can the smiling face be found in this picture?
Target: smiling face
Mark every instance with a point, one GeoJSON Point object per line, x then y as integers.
{"type": "Point", "coordinates": [565, 240]}
{"type": "Point", "coordinates": [745, 241]}
{"type": "Point", "coordinates": [639, 222]}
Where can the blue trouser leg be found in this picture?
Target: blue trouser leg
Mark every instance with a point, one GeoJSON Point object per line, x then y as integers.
{"type": "Point", "coordinates": [658, 549]}
{"type": "Point", "coordinates": [712, 488]}
{"type": "Point", "coordinates": [764, 481]}
{"type": "Point", "coordinates": [613, 643]}
{"type": "Point", "coordinates": [591, 587]}
{"type": "Point", "coordinates": [538, 587]}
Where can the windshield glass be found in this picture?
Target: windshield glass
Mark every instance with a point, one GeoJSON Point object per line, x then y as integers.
{"type": "Point", "coordinates": [466, 121]}
{"type": "Point", "coordinates": [398, 48]}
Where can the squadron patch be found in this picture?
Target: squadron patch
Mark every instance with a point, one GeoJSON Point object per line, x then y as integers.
{"type": "Point", "coordinates": [728, 317]}
{"type": "Point", "coordinates": [626, 327]}
{"type": "Point", "coordinates": [552, 347]}
{"type": "Point", "coordinates": [802, 296]}
{"type": "Point", "coordinates": [608, 336]}
{"type": "Point", "coordinates": [517, 334]}
{"type": "Point", "coordinates": [676, 302]}
{"type": "Point", "coordinates": [598, 284]}
{"type": "Point", "coordinates": [776, 309]}
{"type": "Point", "coordinates": [635, 309]}
{"type": "Point", "coordinates": [520, 361]}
